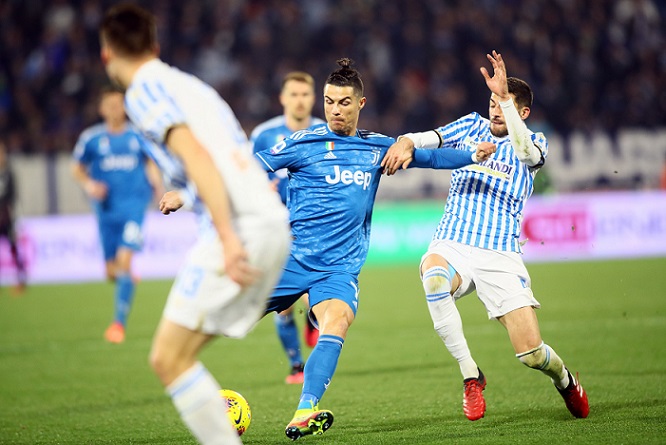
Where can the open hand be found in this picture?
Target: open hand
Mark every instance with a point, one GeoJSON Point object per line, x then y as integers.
{"type": "Point", "coordinates": [497, 83]}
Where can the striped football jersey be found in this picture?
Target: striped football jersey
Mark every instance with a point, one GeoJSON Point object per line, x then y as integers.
{"type": "Point", "coordinates": [161, 97]}
{"type": "Point", "coordinates": [485, 203]}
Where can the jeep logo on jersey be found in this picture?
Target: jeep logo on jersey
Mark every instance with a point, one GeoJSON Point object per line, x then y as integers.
{"type": "Point", "coordinates": [348, 177]}
{"type": "Point", "coordinates": [119, 162]}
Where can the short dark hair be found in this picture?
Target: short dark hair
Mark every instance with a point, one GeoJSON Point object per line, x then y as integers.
{"type": "Point", "coordinates": [129, 29]}
{"type": "Point", "coordinates": [521, 91]}
{"type": "Point", "coordinates": [346, 76]}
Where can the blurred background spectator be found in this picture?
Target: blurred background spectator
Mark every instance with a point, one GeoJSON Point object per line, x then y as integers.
{"type": "Point", "coordinates": [595, 65]}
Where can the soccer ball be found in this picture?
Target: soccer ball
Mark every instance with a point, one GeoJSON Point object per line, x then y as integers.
{"type": "Point", "coordinates": [238, 410]}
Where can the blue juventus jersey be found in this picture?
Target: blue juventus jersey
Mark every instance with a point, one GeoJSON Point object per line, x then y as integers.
{"type": "Point", "coordinates": [333, 181]}
{"type": "Point", "coordinates": [269, 133]}
{"type": "Point", "coordinates": [332, 187]}
{"type": "Point", "coordinates": [485, 204]}
{"type": "Point", "coordinates": [119, 161]}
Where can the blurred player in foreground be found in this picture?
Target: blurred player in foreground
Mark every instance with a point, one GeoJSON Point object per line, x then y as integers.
{"type": "Point", "coordinates": [112, 168]}
{"type": "Point", "coordinates": [7, 215]}
{"type": "Point", "coordinates": [297, 98]}
{"type": "Point", "coordinates": [225, 280]}
{"type": "Point", "coordinates": [476, 245]}
{"type": "Point", "coordinates": [334, 173]}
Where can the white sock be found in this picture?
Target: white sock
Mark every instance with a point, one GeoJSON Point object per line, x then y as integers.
{"type": "Point", "coordinates": [446, 318]}
{"type": "Point", "coordinates": [546, 360]}
{"type": "Point", "coordinates": [195, 394]}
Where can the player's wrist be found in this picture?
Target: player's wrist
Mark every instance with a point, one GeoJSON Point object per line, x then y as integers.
{"type": "Point", "coordinates": [408, 140]}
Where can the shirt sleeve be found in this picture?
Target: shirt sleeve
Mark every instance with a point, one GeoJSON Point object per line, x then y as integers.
{"type": "Point", "coordinates": [153, 110]}
{"type": "Point", "coordinates": [452, 133]}
{"type": "Point", "coordinates": [282, 155]}
{"type": "Point", "coordinates": [81, 151]}
{"type": "Point", "coordinates": [258, 143]}
{"type": "Point", "coordinates": [443, 158]}
{"type": "Point", "coordinates": [541, 143]}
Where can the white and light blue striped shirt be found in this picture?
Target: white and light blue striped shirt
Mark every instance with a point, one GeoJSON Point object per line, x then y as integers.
{"type": "Point", "coordinates": [161, 97]}
{"type": "Point", "coordinates": [485, 203]}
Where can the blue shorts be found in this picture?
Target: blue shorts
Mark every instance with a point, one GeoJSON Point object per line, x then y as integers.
{"type": "Point", "coordinates": [321, 286]}
{"type": "Point", "coordinates": [120, 234]}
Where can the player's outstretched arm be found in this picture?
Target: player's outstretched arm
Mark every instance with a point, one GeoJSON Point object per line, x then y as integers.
{"type": "Point", "coordinates": [448, 158]}
{"type": "Point", "coordinates": [401, 153]}
{"type": "Point", "coordinates": [521, 141]}
{"type": "Point", "coordinates": [201, 169]}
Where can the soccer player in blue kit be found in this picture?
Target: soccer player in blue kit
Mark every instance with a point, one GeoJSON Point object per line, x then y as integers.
{"type": "Point", "coordinates": [297, 97]}
{"type": "Point", "coordinates": [477, 243]}
{"type": "Point", "coordinates": [334, 173]}
{"type": "Point", "coordinates": [111, 165]}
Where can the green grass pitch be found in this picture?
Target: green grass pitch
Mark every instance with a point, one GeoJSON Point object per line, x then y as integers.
{"type": "Point", "coordinates": [60, 383]}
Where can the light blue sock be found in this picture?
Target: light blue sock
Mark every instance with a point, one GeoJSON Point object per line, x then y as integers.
{"type": "Point", "coordinates": [124, 297]}
{"type": "Point", "coordinates": [288, 334]}
{"type": "Point", "coordinates": [319, 369]}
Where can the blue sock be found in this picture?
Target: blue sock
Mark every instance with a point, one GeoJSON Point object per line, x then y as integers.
{"type": "Point", "coordinates": [319, 369]}
{"type": "Point", "coordinates": [124, 297]}
{"type": "Point", "coordinates": [288, 334]}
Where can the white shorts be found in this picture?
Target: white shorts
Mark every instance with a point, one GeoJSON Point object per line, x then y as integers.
{"type": "Point", "coordinates": [203, 298]}
{"type": "Point", "coordinates": [500, 278]}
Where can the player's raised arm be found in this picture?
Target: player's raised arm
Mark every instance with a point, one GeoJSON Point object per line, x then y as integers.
{"type": "Point", "coordinates": [201, 169]}
{"type": "Point", "coordinates": [513, 113]}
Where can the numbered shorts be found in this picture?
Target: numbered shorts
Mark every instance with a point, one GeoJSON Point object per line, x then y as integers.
{"type": "Point", "coordinates": [121, 234]}
{"type": "Point", "coordinates": [298, 279]}
{"type": "Point", "coordinates": [203, 298]}
{"type": "Point", "coordinates": [500, 278]}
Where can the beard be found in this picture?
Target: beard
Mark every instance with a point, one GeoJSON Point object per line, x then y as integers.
{"type": "Point", "coordinates": [498, 131]}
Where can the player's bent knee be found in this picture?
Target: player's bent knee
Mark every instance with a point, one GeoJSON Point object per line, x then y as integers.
{"type": "Point", "coordinates": [535, 358]}
{"type": "Point", "coordinates": [436, 284]}
{"type": "Point", "coordinates": [166, 367]}
{"type": "Point", "coordinates": [157, 363]}
{"type": "Point", "coordinates": [436, 280]}
{"type": "Point", "coordinates": [164, 363]}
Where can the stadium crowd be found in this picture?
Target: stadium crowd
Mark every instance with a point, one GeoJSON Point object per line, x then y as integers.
{"type": "Point", "coordinates": [594, 64]}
